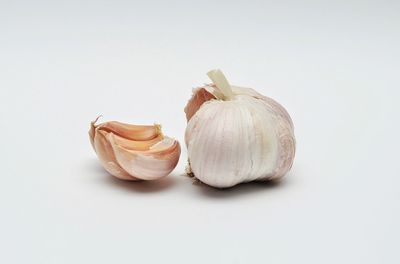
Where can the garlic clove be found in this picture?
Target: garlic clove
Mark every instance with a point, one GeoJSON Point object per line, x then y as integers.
{"type": "Point", "coordinates": [133, 152]}
{"type": "Point", "coordinates": [156, 162]}
{"type": "Point", "coordinates": [107, 158]}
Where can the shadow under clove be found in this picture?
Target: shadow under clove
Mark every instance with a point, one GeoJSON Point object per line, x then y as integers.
{"type": "Point", "coordinates": [141, 186]}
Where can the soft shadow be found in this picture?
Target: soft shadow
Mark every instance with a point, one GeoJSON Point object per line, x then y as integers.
{"type": "Point", "coordinates": [132, 186]}
{"type": "Point", "coordinates": [141, 186]}
{"type": "Point", "coordinates": [242, 189]}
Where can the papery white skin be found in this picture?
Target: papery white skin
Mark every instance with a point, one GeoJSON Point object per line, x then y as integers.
{"type": "Point", "coordinates": [240, 138]}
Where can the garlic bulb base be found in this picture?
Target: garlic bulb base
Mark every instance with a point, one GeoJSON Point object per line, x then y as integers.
{"type": "Point", "coordinates": [188, 170]}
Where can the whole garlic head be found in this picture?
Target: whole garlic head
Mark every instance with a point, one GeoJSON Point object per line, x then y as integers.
{"type": "Point", "coordinates": [236, 135]}
{"type": "Point", "coordinates": [134, 152]}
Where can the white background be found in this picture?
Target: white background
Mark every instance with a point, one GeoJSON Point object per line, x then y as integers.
{"type": "Point", "coordinates": [334, 65]}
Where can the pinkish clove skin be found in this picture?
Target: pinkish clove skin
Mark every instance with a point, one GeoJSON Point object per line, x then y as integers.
{"type": "Point", "coordinates": [200, 95]}
{"type": "Point", "coordinates": [134, 152]}
{"type": "Point", "coordinates": [158, 161]}
{"type": "Point", "coordinates": [107, 157]}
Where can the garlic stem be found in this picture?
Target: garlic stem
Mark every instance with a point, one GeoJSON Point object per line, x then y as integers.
{"type": "Point", "coordinates": [221, 82]}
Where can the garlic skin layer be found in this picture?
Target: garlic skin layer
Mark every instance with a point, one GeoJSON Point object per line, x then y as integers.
{"type": "Point", "coordinates": [236, 135]}
{"type": "Point", "coordinates": [134, 152]}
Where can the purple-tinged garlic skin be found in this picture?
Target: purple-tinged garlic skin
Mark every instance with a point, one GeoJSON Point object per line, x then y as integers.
{"type": "Point", "coordinates": [242, 137]}
{"type": "Point", "coordinates": [134, 152]}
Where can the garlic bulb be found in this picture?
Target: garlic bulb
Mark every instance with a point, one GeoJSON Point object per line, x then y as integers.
{"type": "Point", "coordinates": [236, 135]}
{"type": "Point", "coordinates": [134, 152]}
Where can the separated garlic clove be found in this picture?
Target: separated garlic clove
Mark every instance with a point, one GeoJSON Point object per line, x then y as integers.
{"type": "Point", "coordinates": [236, 135]}
{"type": "Point", "coordinates": [134, 152]}
{"type": "Point", "coordinates": [156, 162]}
